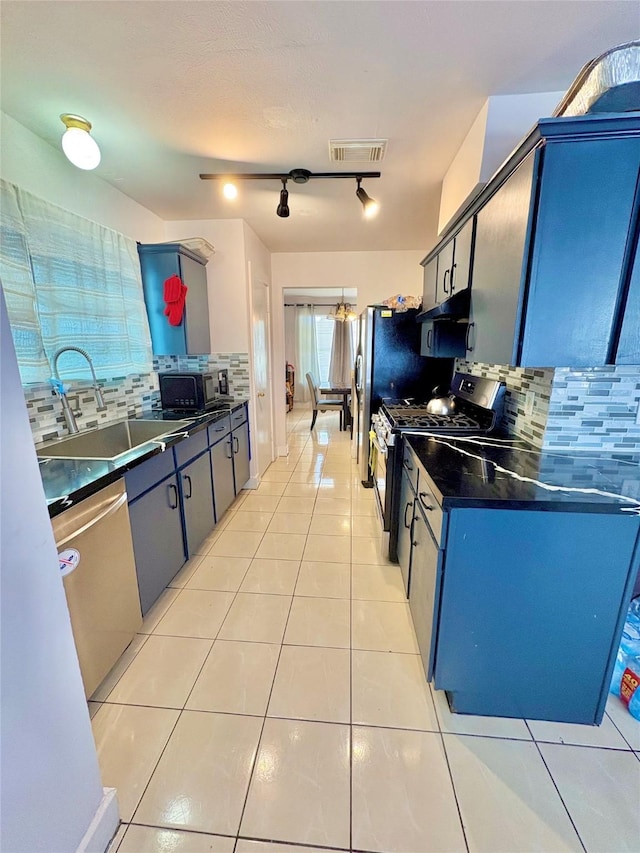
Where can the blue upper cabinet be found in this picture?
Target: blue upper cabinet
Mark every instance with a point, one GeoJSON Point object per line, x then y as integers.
{"type": "Point", "coordinates": [555, 274]}
{"type": "Point", "coordinates": [158, 263]}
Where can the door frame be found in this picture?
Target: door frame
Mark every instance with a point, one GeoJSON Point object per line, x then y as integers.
{"type": "Point", "coordinates": [253, 391]}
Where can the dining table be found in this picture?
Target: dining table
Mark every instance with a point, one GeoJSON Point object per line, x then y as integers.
{"type": "Point", "coordinates": [345, 393]}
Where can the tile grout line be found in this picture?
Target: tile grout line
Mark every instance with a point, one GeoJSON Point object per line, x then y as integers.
{"type": "Point", "coordinates": [553, 782]}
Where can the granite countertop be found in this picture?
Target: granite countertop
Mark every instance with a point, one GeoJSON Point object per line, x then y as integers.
{"type": "Point", "coordinates": [495, 471]}
{"type": "Point", "coordinates": [68, 481]}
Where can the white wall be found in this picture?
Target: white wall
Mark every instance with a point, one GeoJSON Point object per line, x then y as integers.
{"type": "Point", "coordinates": [501, 124]}
{"type": "Point", "coordinates": [376, 275]}
{"type": "Point", "coordinates": [30, 163]}
{"type": "Point", "coordinates": [51, 787]}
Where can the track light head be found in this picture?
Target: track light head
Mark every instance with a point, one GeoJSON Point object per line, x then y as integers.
{"type": "Point", "coordinates": [369, 204]}
{"type": "Point", "coordinates": [283, 207]}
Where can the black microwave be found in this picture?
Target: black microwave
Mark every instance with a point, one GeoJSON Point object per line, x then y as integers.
{"type": "Point", "coordinates": [191, 392]}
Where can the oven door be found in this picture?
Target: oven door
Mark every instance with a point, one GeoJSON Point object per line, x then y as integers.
{"type": "Point", "coordinates": [380, 480]}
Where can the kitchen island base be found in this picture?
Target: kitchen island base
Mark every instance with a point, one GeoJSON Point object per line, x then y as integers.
{"type": "Point", "coordinates": [532, 607]}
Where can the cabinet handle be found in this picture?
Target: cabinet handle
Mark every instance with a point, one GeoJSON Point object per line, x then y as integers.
{"type": "Point", "coordinates": [236, 443]}
{"type": "Point", "coordinates": [409, 503]}
{"type": "Point", "coordinates": [408, 466]}
{"type": "Point", "coordinates": [451, 282]}
{"type": "Point", "coordinates": [230, 447]}
{"type": "Point", "coordinates": [429, 337]}
{"type": "Point", "coordinates": [447, 273]}
{"type": "Point", "coordinates": [422, 496]}
{"type": "Point", "coordinates": [219, 429]}
{"type": "Point", "coordinates": [467, 345]}
{"type": "Point", "coordinates": [175, 494]}
{"type": "Point", "coordinates": [187, 477]}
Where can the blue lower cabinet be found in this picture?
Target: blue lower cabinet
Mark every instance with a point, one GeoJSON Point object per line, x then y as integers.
{"type": "Point", "coordinates": [223, 484]}
{"type": "Point", "coordinates": [156, 528]}
{"type": "Point", "coordinates": [196, 495]}
{"type": "Point", "coordinates": [532, 607]}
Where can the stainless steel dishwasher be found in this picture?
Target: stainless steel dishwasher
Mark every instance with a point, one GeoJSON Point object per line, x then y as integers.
{"type": "Point", "coordinates": [95, 551]}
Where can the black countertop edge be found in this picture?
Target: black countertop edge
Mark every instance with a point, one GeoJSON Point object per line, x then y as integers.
{"type": "Point", "coordinates": [460, 481]}
{"type": "Point", "coordinates": [102, 472]}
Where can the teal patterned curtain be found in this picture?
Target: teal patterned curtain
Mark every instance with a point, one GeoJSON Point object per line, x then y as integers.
{"type": "Point", "coordinates": [70, 281]}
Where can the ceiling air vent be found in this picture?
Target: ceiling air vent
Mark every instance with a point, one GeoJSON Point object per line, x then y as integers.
{"type": "Point", "coordinates": [357, 150]}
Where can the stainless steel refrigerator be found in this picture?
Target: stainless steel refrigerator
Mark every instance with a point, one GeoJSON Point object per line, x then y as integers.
{"type": "Point", "coordinates": [388, 364]}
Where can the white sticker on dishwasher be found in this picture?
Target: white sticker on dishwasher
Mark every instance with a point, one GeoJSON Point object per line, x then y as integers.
{"type": "Point", "coordinates": [68, 560]}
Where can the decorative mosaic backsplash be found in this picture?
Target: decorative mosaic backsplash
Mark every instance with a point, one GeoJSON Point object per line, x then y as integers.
{"type": "Point", "coordinates": [236, 363]}
{"type": "Point", "coordinates": [579, 409]}
{"type": "Point", "coordinates": [519, 381]}
{"type": "Point", "coordinates": [593, 408]}
{"type": "Point", "coordinates": [124, 396]}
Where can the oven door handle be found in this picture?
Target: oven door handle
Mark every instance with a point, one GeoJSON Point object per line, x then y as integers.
{"type": "Point", "coordinates": [381, 448]}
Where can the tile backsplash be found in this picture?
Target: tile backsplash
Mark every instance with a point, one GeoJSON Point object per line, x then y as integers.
{"type": "Point", "coordinates": [124, 396]}
{"type": "Point", "coordinates": [573, 409]}
{"type": "Point", "coordinates": [519, 381]}
{"type": "Point", "coordinates": [594, 407]}
{"type": "Point", "coordinates": [236, 363]}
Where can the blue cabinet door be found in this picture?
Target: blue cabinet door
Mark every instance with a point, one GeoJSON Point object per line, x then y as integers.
{"type": "Point", "coordinates": [240, 439]}
{"type": "Point", "coordinates": [407, 499]}
{"type": "Point", "coordinates": [462, 257]}
{"type": "Point", "coordinates": [498, 267]}
{"type": "Point", "coordinates": [223, 482]}
{"type": "Point", "coordinates": [196, 492]}
{"type": "Point", "coordinates": [429, 284]}
{"type": "Point", "coordinates": [424, 589]}
{"type": "Point", "coordinates": [580, 237]}
{"type": "Point", "coordinates": [156, 530]}
{"type": "Point", "coordinates": [443, 280]}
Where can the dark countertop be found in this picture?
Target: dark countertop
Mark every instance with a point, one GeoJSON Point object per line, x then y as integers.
{"type": "Point", "coordinates": [461, 480]}
{"type": "Point", "coordinates": [68, 481]}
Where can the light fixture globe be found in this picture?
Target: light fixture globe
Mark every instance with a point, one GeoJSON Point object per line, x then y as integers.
{"type": "Point", "coordinates": [79, 147]}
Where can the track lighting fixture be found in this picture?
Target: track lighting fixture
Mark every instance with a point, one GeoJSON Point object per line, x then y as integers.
{"type": "Point", "coordinates": [79, 147]}
{"type": "Point", "coordinates": [297, 176]}
{"type": "Point", "coordinates": [369, 204]}
{"type": "Point", "coordinates": [283, 207]}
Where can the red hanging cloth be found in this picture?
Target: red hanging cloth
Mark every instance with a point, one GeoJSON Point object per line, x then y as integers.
{"type": "Point", "coordinates": [175, 293]}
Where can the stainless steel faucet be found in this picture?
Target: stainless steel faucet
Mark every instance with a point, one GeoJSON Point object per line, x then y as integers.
{"type": "Point", "coordinates": [67, 411]}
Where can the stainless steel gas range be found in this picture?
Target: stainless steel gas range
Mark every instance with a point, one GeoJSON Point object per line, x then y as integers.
{"type": "Point", "coordinates": [478, 405]}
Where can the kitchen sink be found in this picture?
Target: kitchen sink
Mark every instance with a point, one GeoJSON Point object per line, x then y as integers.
{"type": "Point", "coordinates": [110, 442]}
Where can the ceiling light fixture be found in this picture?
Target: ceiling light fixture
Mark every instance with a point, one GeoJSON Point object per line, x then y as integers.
{"type": "Point", "coordinates": [297, 176]}
{"type": "Point", "coordinates": [283, 208]}
{"type": "Point", "coordinates": [79, 146]}
{"type": "Point", "coordinates": [369, 204]}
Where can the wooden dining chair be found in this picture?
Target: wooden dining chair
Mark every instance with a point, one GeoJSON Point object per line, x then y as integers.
{"type": "Point", "coordinates": [322, 404]}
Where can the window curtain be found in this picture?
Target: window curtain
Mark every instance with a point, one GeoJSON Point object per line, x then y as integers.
{"type": "Point", "coordinates": [80, 286]}
{"type": "Point", "coordinates": [341, 363]}
{"type": "Point", "coordinates": [306, 351]}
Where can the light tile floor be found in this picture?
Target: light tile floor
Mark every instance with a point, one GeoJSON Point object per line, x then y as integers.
{"type": "Point", "coordinates": [274, 702]}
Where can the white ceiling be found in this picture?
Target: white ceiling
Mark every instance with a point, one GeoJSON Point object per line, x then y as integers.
{"type": "Point", "coordinates": [187, 86]}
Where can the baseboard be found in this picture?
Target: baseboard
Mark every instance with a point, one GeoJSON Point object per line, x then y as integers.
{"type": "Point", "coordinates": [104, 825]}
{"type": "Point", "coordinates": [282, 450]}
{"type": "Point", "coordinates": [252, 483]}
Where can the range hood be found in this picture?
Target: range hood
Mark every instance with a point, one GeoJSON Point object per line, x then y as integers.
{"type": "Point", "coordinates": [456, 307]}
